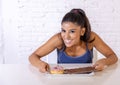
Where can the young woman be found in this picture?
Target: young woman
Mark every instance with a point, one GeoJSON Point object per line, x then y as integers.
{"type": "Point", "coordinates": [74, 44]}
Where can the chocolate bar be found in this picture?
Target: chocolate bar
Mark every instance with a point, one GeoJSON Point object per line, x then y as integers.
{"type": "Point", "coordinates": [82, 70]}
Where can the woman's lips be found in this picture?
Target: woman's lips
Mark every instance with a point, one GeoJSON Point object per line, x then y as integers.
{"type": "Point", "coordinates": [67, 41]}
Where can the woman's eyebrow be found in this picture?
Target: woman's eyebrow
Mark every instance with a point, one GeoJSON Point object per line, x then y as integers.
{"type": "Point", "coordinates": [70, 29]}
{"type": "Point", "coordinates": [73, 29]}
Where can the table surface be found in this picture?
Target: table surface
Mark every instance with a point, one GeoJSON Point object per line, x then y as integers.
{"type": "Point", "coordinates": [25, 74]}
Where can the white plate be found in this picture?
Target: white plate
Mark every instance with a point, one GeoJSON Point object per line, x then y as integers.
{"type": "Point", "coordinates": [70, 66]}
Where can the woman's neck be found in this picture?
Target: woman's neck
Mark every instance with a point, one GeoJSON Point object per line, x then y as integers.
{"type": "Point", "coordinates": [76, 49]}
{"type": "Point", "coordinates": [76, 46]}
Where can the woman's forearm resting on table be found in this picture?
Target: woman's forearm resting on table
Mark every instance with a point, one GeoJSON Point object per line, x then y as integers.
{"type": "Point", "coordinates": [34, 60]}
{"type": "Point", "coordinates": [41, 65]}
{"type": "Point", "coordinates": [104, 62]}
{"type": "Point", "coordinates": [111, 59]}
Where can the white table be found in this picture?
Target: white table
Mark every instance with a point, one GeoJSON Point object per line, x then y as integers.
{"type": "Point", "coordinates": [22, 74]}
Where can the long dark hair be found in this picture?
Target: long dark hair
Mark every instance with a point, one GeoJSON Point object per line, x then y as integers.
{"type": "Point", "coordinates": [79, 17]}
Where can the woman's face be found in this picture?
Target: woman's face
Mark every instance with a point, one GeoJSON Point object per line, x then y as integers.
{"type": "Point", "coordinates": [71, 33]}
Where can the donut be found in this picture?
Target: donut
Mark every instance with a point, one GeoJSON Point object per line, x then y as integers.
{"type": "Point", "coordinates": [57, 70]}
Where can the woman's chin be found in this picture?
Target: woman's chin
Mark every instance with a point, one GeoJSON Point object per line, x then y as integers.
{"type": "Point", "coordinates": [68, 45]}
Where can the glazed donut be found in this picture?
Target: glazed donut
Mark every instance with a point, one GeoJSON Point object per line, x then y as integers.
{"type": "Point", "coordinates": [57, 70]}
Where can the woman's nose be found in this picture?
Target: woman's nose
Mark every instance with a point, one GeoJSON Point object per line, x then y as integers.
{"type": "Point", "coordinates": [67, 36]}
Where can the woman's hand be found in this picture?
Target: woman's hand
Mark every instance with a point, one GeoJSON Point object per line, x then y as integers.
{"type": "Point", "coordinates": [43, 67]}
{"type": "Point", "coordinates": [100, 65]}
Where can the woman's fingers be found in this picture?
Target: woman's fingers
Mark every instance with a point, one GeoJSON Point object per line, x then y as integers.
{"type": "Point", "coordinates": [44, 67]}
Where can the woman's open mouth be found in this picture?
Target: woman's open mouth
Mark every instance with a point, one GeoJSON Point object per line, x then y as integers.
{"type": "Point", "coordinates": [67, 41]}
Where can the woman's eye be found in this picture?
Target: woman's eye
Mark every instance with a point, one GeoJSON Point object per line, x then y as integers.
{"type": "Point", "coordinates": [62, 30]}
{"type": "Point", "coordinates": [72, 31]}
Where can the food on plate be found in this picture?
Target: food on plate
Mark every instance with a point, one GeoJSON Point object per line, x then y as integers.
{"type": "Point", "coordinates": [81, 70]}
{"type": "Point", "coordinates": [57, 70]}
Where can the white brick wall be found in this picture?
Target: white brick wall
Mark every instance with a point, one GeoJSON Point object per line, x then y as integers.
{"type": "Point", "coordinates": [1, 36]}
{"type": "Point", "coordinates": [27, 24]}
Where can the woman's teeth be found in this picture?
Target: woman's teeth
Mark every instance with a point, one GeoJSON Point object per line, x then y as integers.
{"type": "Point", "coordinates": [67, 41]}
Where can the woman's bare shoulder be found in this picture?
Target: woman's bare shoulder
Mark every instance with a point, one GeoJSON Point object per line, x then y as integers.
{"type": "Point", "coordinates": [56, 40]}
{"type": "Point", "coordinates": [96, 37]}
{"type": "Point", "coordinates": [93, 36]}
{"type": "Point", "coordinates": [92, 39]}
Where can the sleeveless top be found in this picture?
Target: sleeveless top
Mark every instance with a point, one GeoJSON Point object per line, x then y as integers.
{"type": "Point", "coordinates": [64, 58]}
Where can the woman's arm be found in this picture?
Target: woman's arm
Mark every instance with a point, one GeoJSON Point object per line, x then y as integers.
{"type": "Point", "coordinates": [45, 49]}
{"type": "Point", "coordinates": [103, 48]}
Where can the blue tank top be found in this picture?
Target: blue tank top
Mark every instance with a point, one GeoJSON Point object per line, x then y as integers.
{"type": "Point", "coordinates": [64, 58]}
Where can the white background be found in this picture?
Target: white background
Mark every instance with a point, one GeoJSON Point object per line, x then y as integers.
{"type": "Point", "coordinates": [27, 24]}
